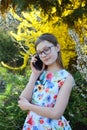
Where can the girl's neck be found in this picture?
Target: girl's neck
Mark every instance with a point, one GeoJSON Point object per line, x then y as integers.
{"type": "Point", "coordinates": [54, 68]}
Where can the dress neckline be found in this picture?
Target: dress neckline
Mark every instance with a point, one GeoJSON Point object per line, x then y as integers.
{"type": "Point", "coordinates": [46, 71]}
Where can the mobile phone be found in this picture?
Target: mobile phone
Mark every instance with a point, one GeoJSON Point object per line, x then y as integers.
{"type": "Point", "coordinates": [38, 64]}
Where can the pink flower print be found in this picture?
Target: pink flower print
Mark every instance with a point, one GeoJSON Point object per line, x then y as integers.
{"type": "Point", "coordinates": [60, 123]}
{"type": "Point", "coordinates": [49, 76]}
{"type": "Point", "coordinates": [30, 121]}
{"type": "Point", "coordinates": [41, 121]}
{"type": "Point", "coordinates": [28, 129]}
{"type": "Point", "coordinates": [50, 105]}
{"type": "Point", "coordinates": [47, 90]}
{"type": "Point", "coordinates": [55, 96]}
{"type": "Point", "coordinates": [60, 83]}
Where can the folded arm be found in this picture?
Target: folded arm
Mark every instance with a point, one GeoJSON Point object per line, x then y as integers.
{"type": "Point", "coordinates": [57, 111]}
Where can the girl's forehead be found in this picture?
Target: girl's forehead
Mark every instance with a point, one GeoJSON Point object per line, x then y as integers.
{"type": "Point", "coordinates": [43, 45]}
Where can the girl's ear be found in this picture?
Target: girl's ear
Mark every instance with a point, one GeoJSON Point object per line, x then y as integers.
{"type": "Point", "coordinates": [58, 47]}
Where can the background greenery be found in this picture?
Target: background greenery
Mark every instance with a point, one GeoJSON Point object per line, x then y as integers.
{"type": "Point", "coordinates": [8, 49]}
{"type": "Point", "coordinates": [11, 84]}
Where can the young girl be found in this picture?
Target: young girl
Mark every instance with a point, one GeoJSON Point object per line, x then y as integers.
{"type": "Point", "coordinates": [48, 90]}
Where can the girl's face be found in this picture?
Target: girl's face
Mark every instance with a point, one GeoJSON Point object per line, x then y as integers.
{"type": "Point", "coordinates": [47, 52]}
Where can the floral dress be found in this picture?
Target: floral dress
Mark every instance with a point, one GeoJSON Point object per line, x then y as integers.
{"type": "Point", "coordinates": [44, 94]}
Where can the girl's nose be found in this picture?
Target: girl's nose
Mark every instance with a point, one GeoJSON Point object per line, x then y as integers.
{"type": "Point", "coordinates": [43, 54]}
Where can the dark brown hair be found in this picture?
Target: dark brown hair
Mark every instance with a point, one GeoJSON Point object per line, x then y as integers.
{"type": "Point", "coordinates": [52, 39]}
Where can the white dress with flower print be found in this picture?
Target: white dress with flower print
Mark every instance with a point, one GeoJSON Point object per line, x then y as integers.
{"type": "Point", "coordinates": [45, 93]}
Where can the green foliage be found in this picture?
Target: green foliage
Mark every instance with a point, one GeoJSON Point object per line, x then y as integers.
{"type": "Point", "coordinates": [12, 117]}
{"type": "Point", "coordinates": [8, 49]}
{"type": "Point", "coordinates": [76, 110]}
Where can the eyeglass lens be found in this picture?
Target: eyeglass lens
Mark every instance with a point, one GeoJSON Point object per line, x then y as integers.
{"type": "Point", "coordinates": [46, 51]}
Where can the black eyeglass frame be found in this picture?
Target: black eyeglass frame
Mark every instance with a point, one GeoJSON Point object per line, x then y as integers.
{"type": "Point", "coordinates": [44, 51]}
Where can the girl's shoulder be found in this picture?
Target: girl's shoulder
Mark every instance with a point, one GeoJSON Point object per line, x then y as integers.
{"type": "Point", "coordinates": [61, 74]}
{"type": "Point", "coordinates": [66, 74]}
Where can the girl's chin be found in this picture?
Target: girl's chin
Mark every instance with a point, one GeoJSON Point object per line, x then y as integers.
{"type": "Point", "coordinates": [48, 63]}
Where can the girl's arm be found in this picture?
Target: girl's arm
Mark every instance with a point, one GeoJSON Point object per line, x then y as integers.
{"type": "Point", "coordinates": [62, 100]}
{"type": "Point", "coordinates": [27, 92]}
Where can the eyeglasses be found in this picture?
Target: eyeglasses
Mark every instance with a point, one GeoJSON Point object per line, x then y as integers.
{"type": "Point", "coordinates": [46, 51]}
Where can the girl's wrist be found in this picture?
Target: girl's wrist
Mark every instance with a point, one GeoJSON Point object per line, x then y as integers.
{"type": "Point", "coordinates": [33, 78]}
{"type": "Point", "coordinates": [29, 106]}
{"type": "Point", "coordinates": [35, 75]}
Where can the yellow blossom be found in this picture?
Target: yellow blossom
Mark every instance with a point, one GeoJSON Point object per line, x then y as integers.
{"type": "Point", "coordinates": [36, 24]}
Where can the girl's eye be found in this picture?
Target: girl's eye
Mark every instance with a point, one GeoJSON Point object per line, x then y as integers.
{"type": "Point", "coordinates": [46, 49]}
{"type": "Point", "coordinates": [39, 53]}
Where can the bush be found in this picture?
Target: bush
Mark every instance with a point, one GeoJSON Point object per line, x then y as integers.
{"type": "Point", "coordinates": [9, 50]}
{"type": "Point", "coordinates": [76, 110]}
{"type": "Point", "coordinates": [11, 116]}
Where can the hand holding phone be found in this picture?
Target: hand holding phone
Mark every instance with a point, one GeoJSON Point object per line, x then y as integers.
{"type": "Point", "coordinates": [38, 64]}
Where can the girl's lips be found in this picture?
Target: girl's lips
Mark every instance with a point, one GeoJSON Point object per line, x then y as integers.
{"type": "Point", "coordinates": [46, 59]}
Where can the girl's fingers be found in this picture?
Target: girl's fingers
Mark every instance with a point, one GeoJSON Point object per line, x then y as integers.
{"type": "Point", "coordinates": [33, 59]}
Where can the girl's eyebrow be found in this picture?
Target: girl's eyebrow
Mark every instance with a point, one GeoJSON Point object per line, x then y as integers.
{"type": "Point", "coordinates": [43, 48]}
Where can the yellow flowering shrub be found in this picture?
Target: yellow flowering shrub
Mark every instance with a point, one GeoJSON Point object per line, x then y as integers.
{"type": "Point", "coordinates": [81, 28]}
{"type": "Point", "coordinates": [33, 24]}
